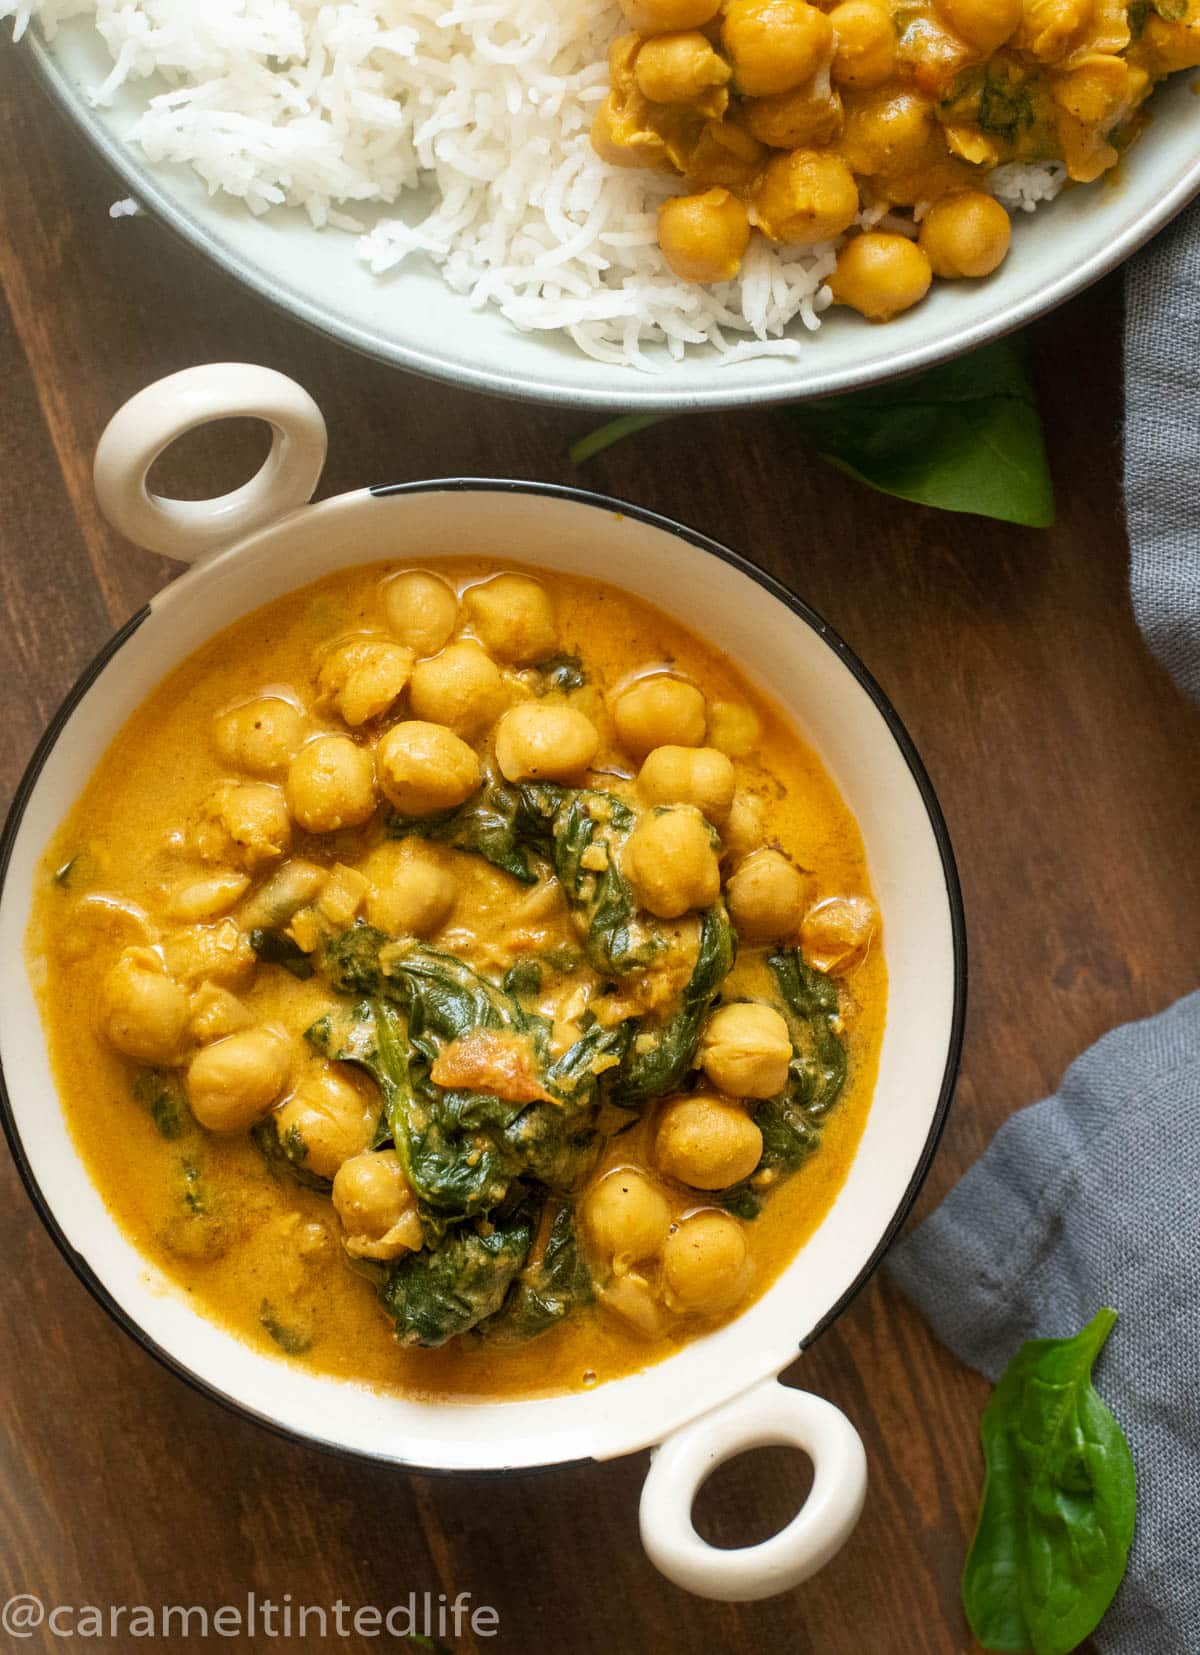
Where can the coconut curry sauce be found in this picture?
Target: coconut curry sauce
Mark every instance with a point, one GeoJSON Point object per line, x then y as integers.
{"type": "Point", "coordinates": [387, 964]}
{"type": "Point", "coordinates": [881, 120]}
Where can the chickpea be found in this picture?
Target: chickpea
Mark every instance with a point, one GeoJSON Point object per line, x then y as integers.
{"type": "Point", "coordinates": [327, 1119]}
{"type": "Point", "coordinates": [215, 1013]}
{"type": "Point", "coordinates": [460, 688]}
{"type": "Point", "coordinates": [670, 861]}
{"type": "Point", "coordinates": [775, 45]}
{"type": "Point", "coordinates": [535, 742]}
{"type": "Point", "coordinates": [331, 785]}
{"type": "Point", "coordinates": [680, 68]}
{"type": "Point", "coordinates": [627, 1216]}
{"type": "Point", "coordinates": [706, 1142]}
{"type": "Point", "coordinates": [744, 828]}
{"type": "Point", "coordinates": [363, 678]}
{"type": "Point", "coordinates": [704, 237]}
{"type": "Point", "coordinates": [514, 618]}
{"type": "Point", "coordinates": [618, 137]}
{"type": "Point", "coordinates": [377, 1207]}
{"type": "Point", "coordinates": [246, 823]}
{"type": "Point", "coordinates": [143, 1012]}
{"type": "Point", "coordinates": [745, 1050]}
{"type": "Point", "coordinates": [880, 275]}
{"type": "Point", "coordinates": [209, 898]}
{"type": "Point", "coordinates": [803, 119]}
{"type": "Point", "coordinates": [724, 154]}
{"type": "Point", "coordinates": [767, 896]}
{"type": "Point", "coordinates": [864, 43]}
{"type": "Point", "coordinates": [412, 891]}
{"type": "Point", "coordinates": [668, 16]}
{"type": "Point", "coordinates": [965, 234]}
{"type": "Point", "coordinates": [421, 610]}
{"type": "Point", "coordinates": [425, 768]}
{"type": "Point", "coordinates": [261, 736]}
{"type": "Point", "coordinates": [837, 932]}
{"type": "Point", "coordinates": [733, 728]}
{"type": "Point", "coordinates": [659, 711]}
{"type": "Point", "coordinates": [805, 197]}
{"type": "Point", "coordinates": [887, 133]}
{"type": "Point", "coordinates": [219, 953]}
{"type": "Point", "coordinates": [1168, 46]}
{"type": "Point", "coordinates": [1050, 29]}
{"type": "Point", "coordinates": [984, 24]}
{"type": "Point", "coordinates": [699, 776]}
{"type": "Point", "coordinates": [705, 1262]}
{"type": "Point", "coordinates": [234, 1082]}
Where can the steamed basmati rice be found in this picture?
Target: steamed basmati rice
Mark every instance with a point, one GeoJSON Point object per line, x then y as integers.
{"type": "Point", "coordinates": [456, 130]}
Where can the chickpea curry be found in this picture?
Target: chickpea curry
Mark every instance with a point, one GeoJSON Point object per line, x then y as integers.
{"type": "Point", "coordinates": [875, 120]}
{"type": "Point", "coordinates": [464, 983]}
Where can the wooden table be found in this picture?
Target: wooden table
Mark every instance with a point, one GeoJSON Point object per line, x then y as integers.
{"type": "Point", "coordinates": [1066, 764]}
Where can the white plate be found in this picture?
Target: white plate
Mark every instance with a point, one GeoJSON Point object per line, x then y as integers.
{"type": "Point", "coordinates": [412, 320]}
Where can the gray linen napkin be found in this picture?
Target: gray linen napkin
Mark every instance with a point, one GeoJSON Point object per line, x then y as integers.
{"type": "Point", "coordinates": [1162, 445]}
{"type": "Point", "coordinates": [1093, 1196]}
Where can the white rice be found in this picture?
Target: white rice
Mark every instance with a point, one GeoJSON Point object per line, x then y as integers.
{"type": "Point", "coordinates": [456, 130]}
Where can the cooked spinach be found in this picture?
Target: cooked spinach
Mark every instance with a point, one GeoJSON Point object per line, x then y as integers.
{"type": "Point", "coordinates": [523, 978]}
{"type": "Point", "coordinates": [561, 672]}
{"type": "Point", "coordinates": [460, 1149]}
{"type": "Point", "coordinates": [549, 1287]}
{"type": "Point", "coordinates": [286, 1152]}
{"type": "Point", "coordinates": [293, 1341]}
{"type": "Point", "coordinates": [494, 823]}
{"type": "Point", "coordinates": [810, 1005]}
{"type": "Point", "coordinates": [277, 948]}
{"type": "Point", "coordinates": [660, 1050]}
{"type": "Point", "coordinates": [442, 1291]}
{"type": "Point", "coordinates": [1059, 1495]}
{"type": "Point", "coordinates": [1005, 106]}
{"type": "Point", "coordinates": [161, 1093]}
{"type": "Point", "coordinates": [965, 436]}
{"type": "Point", "coordinates": [617, 942]}
{"type": "Point", "coordinates": [791, 1123]}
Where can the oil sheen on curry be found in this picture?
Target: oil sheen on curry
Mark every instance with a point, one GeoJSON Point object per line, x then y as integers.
{"type": "Point", "coordinates": [878, 119]}
{"type": "Point", "coordinates": [463, 983]}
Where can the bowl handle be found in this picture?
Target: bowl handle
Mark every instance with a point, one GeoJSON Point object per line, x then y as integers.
{"type": "Point", "coordinates": [769, 1415]}
{"type": "Point", "coordinates": [153, 419]}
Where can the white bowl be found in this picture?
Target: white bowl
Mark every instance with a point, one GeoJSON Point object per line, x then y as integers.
{"type": "Point", "coordinates": [414, 321]}
{"type": "Point", "coordinates": [717, 1395]}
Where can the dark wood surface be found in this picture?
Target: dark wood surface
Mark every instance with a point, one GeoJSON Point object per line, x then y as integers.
{"type": "Point", "coordinates": [1066, 765]}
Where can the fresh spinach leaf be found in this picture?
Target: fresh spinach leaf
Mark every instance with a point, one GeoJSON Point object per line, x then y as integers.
{"type": "Point", "coordinates": [1059, 1495]}
{"type": "Point", "coordinates": [964, 436]}
{"type": "Point", "coordinates": [277, 948]}
{"type": "Point", "coordinates": [440, 1292]}
{"type": "Point", "coordinates": [660, 1050]}
{"type": "Point", "coordinates": [161, 1094]}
